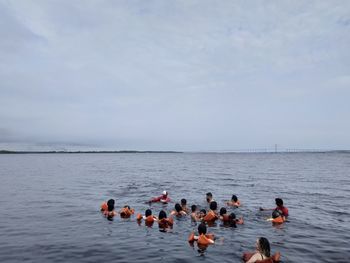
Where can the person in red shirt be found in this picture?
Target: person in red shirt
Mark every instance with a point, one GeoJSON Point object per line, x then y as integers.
{"type": "Point", "coordinates": [162, 198]}
{"type": "Point", "coordinates": [279, 206]}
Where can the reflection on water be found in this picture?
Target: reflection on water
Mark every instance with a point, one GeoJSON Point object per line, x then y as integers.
{"type": "Point", "coordinates": [50, 206]}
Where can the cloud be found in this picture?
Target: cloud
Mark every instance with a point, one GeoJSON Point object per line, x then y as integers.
{"type": "Point", "coordinates": [173, 75]}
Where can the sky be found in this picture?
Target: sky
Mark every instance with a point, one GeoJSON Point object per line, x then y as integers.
{"type": "Point", "coordinates": [174, 75]}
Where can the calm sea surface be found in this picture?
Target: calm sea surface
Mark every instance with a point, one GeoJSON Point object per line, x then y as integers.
{"type": "Point", "coordinates": [49, 206]}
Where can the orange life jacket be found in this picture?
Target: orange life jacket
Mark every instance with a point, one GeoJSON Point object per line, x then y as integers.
{"type": "Point", "coordinates": [126, 212]}
{"type": "Point", "coordinates": [104, 206]}
{"type": "Point", "coordinates": [149, 219]}
{"type": "Point", "coordinates": [225, 218]}
{"type": "Point", "coordinates": [166, 222]}
{"type": "Point", "coordinates": [205, 240]}
{"type": "Point", "coordinates": [278, 220]}
{"type": "Point", "coordinates": [210, 217]}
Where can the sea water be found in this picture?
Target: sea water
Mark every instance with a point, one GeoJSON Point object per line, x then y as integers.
{"type": "Point", "coordinates": [50, 204]}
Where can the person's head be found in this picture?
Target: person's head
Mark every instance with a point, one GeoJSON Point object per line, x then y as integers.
{"type": "Point", "coordinates": [223, 211]}
{"type": "Point", "coordinates": [193, 208]}
{"type": "Point", "coordinates": [276, 213]}
{"type": "Point", "coordinates": [178, 207]}
{"type": "Point", "coordinates": [234, 198]}
{"type": "Point", "coordinates": [126, 206]}
{"type": "Point", "coordinates": [232, 216]}
{"type": "Point", "coordinates": [162, 214]}
{"type": "Point", "coordinates": [202, 212]}
{"type": "Point", "coordinates": [183, 202]}
{"type": "Point", "coordinates": [213, 205]}
{"type": "Point", "coordinates": [279, 202]}
{"type": "Point", "coordinates": [202, 229]}
{"type": "Point", "coordinates": [263, 246]}
{"type": "Point", "coordinates": [110, 204]}
{"type": "Point", "coordinates": [232, 219]}
{"type": "Point", "coordinates": [148, 212]}
{"type": "Point", "coordinates": [165, 193]}
{"type": "Point", "coordinates": [209, 197]}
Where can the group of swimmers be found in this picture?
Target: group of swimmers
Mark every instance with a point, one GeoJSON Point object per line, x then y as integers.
{"type": "Point", "coordinates": [203, 239]}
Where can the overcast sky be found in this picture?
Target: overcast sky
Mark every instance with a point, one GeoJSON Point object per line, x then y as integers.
{"type": "Point", "coordinates": [175, 75]}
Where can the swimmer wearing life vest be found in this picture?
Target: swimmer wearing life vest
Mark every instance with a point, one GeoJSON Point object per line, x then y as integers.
{"type": "Point", "coordinates": [238, 221]}
{"type": "Point", "coordinates": [163, 221]}
{"type": "Point", "coordinates": [162, 198]}
{"type": "Point", "coordinates": [262, 253]}
{"type": "Point", "coordinates": [126, 212]}
{"type": "Point", "coordinates": [211, 216]}
{"type": "Point", "coordinates": [230, 219]}
{"type": "Point", "coordinates": [203, 239]}
{"type": "Point", "coordinates": [108, 209]}
{"type": "Point", "coordinates": [148, 218]}
{"type": "Point", "coordinates": [224, 217]}
{"type": "Point", "coordinates": [277, 217]}
{"type": "Point", "coordinates": [234, 202]}
{"type": "Point", "coordinates": [279, 206]}
{"type": "Point", "coordinates": [178, 211]}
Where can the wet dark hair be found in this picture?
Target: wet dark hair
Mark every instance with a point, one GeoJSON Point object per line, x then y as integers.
{"type": "Point", "coordinates": [232, 216]}
{"type": "Point", "coordinates": [193, 208]}
{"type": "Point", "coordinates": [178, 207]}
{"type": "Point", "coordinates": [276, 213]}
{"type": "Point", "coordinates": [209, 194]}
{"type": "Point", "coordinates": [234, 198]}
{"type": "Point", "coordinates": [279, 201]}
{"type": "Point", "coordinates": [110, 205]}
{"type": "Point", "coordinates": [203, 211]}
{"type": "Point", "coordinates": [264, 246]}
{"type": "Point", "coordinates": [213, 205]}
{"type": "Point", "coordinates": [183, 201]}
{"type": "Point", "coordinates": [223, 211]}
{"type": "Point", "coordinates": [162, 214]}
{"type": "Point", "coordinates": [148, 212]}
{"type": "Point", "coordinates": [126, 206]}
{"type": "Point", "coordinates": [202, 229]}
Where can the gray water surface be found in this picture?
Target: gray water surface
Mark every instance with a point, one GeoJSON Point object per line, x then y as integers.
{"type": "Point", "coordinates": [49, 205]}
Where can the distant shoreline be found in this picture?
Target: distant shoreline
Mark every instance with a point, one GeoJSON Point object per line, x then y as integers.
{"type": "Point", "coordinates": [44, 152]}
{"type": "Point", "coordinates": [134, 151]}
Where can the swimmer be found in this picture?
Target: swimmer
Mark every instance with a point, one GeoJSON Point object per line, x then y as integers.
{"type": "Point", "coordinates": [162, 198]}
{"type": "Point", "coordinates": [262, 253]}
{"type": "Point", "coordinates": [104, 206]}
{"type": "Point", "coordinates": [178, 211]}
{"type": "Point", "coordinates": [184, 205]}
{"type": "Point", "coordinates": [148, 217]}
{"type": "Point", "coordinates": [277, 217]}
{"type": "Point", "coordinates": [194, 213]}
{"type": "Point", "coordinates": [209, 197]}
{"type": "Point", "coordinates": [163, 221]}
{"type": "Point", "coordinates": [110, 213]}
{"type": "Point", "coordinates": [279, 206]}
{"type": "Point", "coordinates": [234, 220]}
{"type": "Point", "coordinates": [234, 201]}
{"type": "Point", "coordinates": [211, 215]}
{"type": "Point", "coordinates": [224, 217]}
{"type": "Point", "coordinates": [203, 238]}
{"type": "Point", "coordinates": [126, 212]}
{"type": "Point", "coordinates": [202, 214]}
